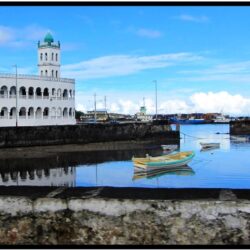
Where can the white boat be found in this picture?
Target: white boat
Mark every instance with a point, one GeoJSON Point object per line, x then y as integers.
{"type": "Point", "coordinates": [210, 145]}
{"type": "Point", "coordinates": [239, 138]}
{"type": "Point", "coordinates": [221, 119]}
{"type": "Point", "coordinates": [169, 147]}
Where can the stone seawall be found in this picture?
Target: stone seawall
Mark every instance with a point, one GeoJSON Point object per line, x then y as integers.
{"type": "Point", "coordinates": [240, 127]}
{"type": "Point", "coordinates": [70, 134]}
{"type": "Point", "coordinates": [91, 219]}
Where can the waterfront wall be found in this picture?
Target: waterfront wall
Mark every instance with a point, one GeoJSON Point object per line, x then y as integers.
{"type": "Point", "coordinates": [70, 134]}
{"type": "Point", "coordinates": [240, 127]}
{"type": "Point", "coordinates": [89, 220]}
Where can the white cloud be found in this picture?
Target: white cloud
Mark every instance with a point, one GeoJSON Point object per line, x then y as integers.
{"type": "Point", "coordinates": [149, 33]}
{"type": "Point", "coordinates": [6, 35]}
{"type": "Point", "coordinates": [231, 72]}
{"type": "Point", "coordinates": [22, 37]}
{"type": "Point", "coordinates": [190, 18]}
{"type": "Point", "coordinates": [120, 65]}
{"type": "Point", "coordinates": [198, 102]}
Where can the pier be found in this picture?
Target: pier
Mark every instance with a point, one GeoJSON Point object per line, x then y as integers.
{"type": "Point", "coordinates": [83, 134]}
{"type": "Point", "coordinates": [240, 127]}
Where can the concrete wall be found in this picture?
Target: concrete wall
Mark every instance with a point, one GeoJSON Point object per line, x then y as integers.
{"type": "Point", "coordinates": [240, 127]}
{"type": "Point", "coordinates": [52, 135]}
{"type": "Point", "coordinates": [89, 220]}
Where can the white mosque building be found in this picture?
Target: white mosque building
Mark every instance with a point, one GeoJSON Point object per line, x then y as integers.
{"type": "Point", "coordinates": [32, 100]}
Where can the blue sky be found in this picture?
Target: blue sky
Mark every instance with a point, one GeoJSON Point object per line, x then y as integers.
{"type": "Point", "coordinates": [200, 56]}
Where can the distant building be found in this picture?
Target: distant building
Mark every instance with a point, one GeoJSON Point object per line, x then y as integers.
{"type": "Point", "coordinates": [31, 100]}
{"type": "Point", "coordinates": [101, 115]}
{"type": "Point", "coordinates": [142, 116]}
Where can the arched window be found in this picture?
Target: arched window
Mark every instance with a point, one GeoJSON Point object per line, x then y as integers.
{"type": "Point", "coordinates": [70, 112]}
{"type": "Point", "coordinates": [38, 93]}
{"type": "Point", "coordinates": [46, 72]}
{"type": "Point", "coordinates": [12, 113]}
{"type": "Point", "coordinates": [52, 73]}
{"type": "Point", "coordinates": [56, 57]}
{"type": "Point", "coordinates": [59, 93]}
{"type": "Point", "coordinates": [65, 94]}
{"type": "Point", "coordinates": [56, 74]}
{"type": "Point", "coordinates": [31, 112]}
{"type": "Point", "coordinates": [59, 112]}
{"type": "Point", "coordinates": [65, 112]}
{"type": "Point", "coordinates": [4, 92]}
{"type": "Point", "coordinates": [41, 73]}
{"type": "Point", "coordinates": [52, 56]}
{"type": "Point", "coordinates": [4, 113]}
{"type": "Point", "coordinates": [31, 92]}
{"type": "Point", "coordinates": [39, 113]}
{"type": "Point", "coordinates": [22, 92]}
{"type": "Point", "coordinates": [41, 56]}
{"type": "Point", "coordinates": [46, 57]}
{"type": "Point", "coordinates": [53, 92]}
{"type": "Point", "coordinates": [13, 92]}
{"type": "Point", "coordinates": [45, 112]}
{"type": "Point", "coordinates": [53, 112]}
{"type": "Point", "coordinates": [22, 112]}
{"type": "Point", "coordinates": [46, 93]}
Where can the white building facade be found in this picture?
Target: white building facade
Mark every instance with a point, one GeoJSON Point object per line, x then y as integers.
{"type": "Point", "coordinates": [47, 99]}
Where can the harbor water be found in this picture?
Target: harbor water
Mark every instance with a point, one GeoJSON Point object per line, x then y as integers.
{"type": "Point", "coordinates": [225, 167]}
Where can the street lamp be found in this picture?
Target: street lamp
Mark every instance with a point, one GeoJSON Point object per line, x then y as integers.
{"type": "Point", "coordinates": [16, 97]}
{"type": "Point", "coordinates": [155, 99]}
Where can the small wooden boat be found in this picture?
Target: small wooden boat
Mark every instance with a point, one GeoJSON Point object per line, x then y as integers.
{"type": "Point", "coordinates": [164, 162]}
{"type": "Point", "coordinates": [239, 138]}
{"type": "Point", "coordinates": [209, 145]}
{"type": "Point", "coordinates": [169, 147]}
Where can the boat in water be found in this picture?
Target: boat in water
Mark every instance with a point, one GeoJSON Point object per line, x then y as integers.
{"type": "Point", "coordinates": [163, 162]}
{"type": "Point", "coordinates": [170, 147]}
{"type": "Point", "coordinates": [239, 138]}
{"type": "Point", "coordinates": [188, 121]}
{"type": "Point", "coordinates": [211, 145]}
{"type": "Point", "coordinates": [221, 119]}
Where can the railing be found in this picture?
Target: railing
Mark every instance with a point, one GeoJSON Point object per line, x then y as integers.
{"type": "Point", "coordinates": [34, 77]}
{"type": "Point", "coordinates": [36, 97]}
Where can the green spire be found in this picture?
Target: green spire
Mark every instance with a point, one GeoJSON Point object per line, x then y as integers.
{"type": "Point", "coordinates": [48, 38]}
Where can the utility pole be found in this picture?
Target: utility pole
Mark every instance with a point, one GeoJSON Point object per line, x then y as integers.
{"type": "Point", "coordinates": [143, 101]}
{"type": "Point", "coordinates": [95, 105]}
{"type": "Point", "coordinates": [105, 104]}
{"type": "Point", "coordinates": [16, 97]}
{"type": "Point", "coordinates": [155, 99]}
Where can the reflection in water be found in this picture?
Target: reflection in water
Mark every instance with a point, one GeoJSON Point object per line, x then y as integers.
{"type": "Point", "coordinates": [226, 167]}
{"type": "Point", "coordinates": [185, 170]}
{"type": "Point", "coordinates": [39, 177]}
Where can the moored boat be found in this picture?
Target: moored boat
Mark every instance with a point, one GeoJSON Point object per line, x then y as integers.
{"type": "Point", "coordinates": [170, 147]}
{"type": "Point", "coordinates": [164, 162]}
{"type": "Point", "coordinates": [239, 138]}
{"type": "Point", "coordinates": [210, 145]}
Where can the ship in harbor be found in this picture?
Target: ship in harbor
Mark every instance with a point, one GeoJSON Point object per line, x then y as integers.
{"type": "Point", "coordinates": [175, 120]}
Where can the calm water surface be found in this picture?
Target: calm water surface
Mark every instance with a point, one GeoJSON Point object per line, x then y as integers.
{"type": "Point", "coordinates": [226, 167]}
